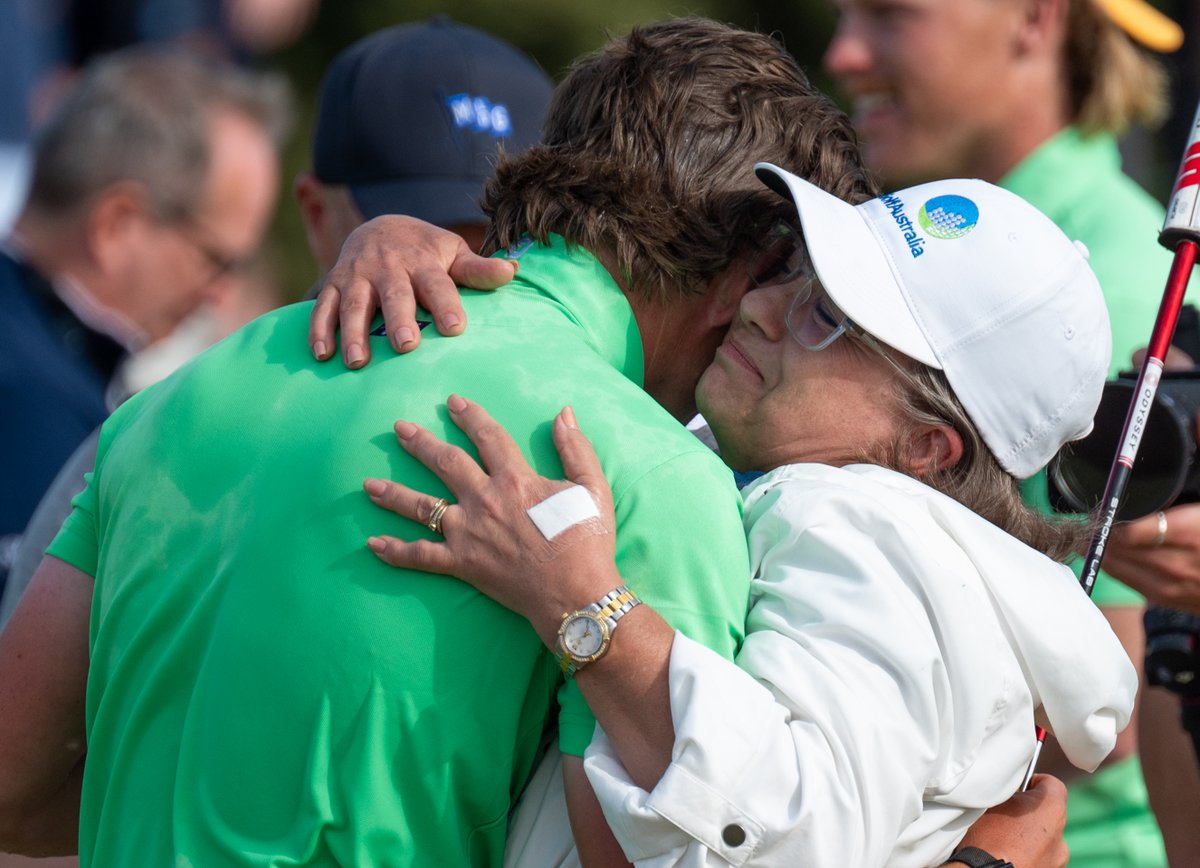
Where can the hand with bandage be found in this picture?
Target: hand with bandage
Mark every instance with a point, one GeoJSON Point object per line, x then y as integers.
{"type": "Point", "coordinates": [542, 548]}
{"type": "Point", "coordinates": [538, 546]}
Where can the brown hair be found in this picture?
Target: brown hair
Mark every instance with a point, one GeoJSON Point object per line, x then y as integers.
{"type": "Point", "coordinates": [649, 147]}
{"type": "Point", "coordinates": [977, 481]}
{"type": "Point", "coordinates": [1111, 83]}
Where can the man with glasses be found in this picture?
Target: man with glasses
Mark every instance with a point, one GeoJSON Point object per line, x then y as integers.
{"type": "Point", "coordinates": [153, 180]}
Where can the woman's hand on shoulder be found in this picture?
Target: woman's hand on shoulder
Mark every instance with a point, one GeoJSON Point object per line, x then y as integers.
{"type": "Point", "coordinates": [537, 546]}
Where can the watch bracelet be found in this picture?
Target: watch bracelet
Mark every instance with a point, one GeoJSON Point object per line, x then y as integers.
{"type": "Point", "coordinates": [973, 857]}
{"type": "Point", "coordinates": [614, 604]}
{"type": "Point", "coordinates": [610, 609]}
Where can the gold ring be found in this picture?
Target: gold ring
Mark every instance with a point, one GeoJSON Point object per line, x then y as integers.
{"type": "Point", "coordinates": [435, 515]}
{"type": "Point", "coordinates": [1162, 529]}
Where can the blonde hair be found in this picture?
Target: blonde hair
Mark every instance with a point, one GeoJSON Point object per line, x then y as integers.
{"type": "Point", "coordinates": [1111, 82]}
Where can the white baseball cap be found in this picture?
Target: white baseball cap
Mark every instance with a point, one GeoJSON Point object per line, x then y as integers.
{"type": "Point", "coordinates": [970, 279]}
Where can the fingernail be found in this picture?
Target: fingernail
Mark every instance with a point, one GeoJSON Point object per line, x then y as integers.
{"type": "Point", "coordinates": [516, 265]}
{"type": "Point", "coordinates": [376, 544]}
{"type": "Point", "coordinates": [403, 336]}
{"type": "Point", "coordinates": [568, 417]}
{"type": "Point", "coordinates": [320, 350]}
{"type": "Point", "coordinates": [405, 430]}
{"type": "Point", "coordinates": [450, 321]}
{"type": "Point", "coordinates": [354, 355]}
{"type": "Point", "coordinates": [456, 404]}
{"type": "Point", "coordinates": [374, 487]}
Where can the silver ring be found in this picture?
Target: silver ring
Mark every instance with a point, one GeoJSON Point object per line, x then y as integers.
{"type": "Point", "coordinates": [1162, 529]}
{"type": "Point", "coordinates": [435, 514]}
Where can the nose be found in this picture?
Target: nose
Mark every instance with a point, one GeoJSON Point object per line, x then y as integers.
{"type": "Point", "coordinates": [763, 309]}
{"type": "Point", "coordinates": [849, 52]}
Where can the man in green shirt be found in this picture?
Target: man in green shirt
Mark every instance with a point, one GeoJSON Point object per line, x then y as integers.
{"type": "Point", "coordinates": [260, 690]}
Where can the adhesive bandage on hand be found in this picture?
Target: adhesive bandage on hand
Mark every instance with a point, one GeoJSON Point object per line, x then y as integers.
{"type": "Point", "coordinates": [563, 510]}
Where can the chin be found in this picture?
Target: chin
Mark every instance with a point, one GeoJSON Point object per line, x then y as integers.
{"type": "Point", "coordinates": [727, 442]}
{"type": "Point", "coordinates": [896, 169]}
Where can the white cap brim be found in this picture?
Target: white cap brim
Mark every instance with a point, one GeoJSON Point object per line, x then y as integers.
{"type": "Point", "coordinates": [852, 264]}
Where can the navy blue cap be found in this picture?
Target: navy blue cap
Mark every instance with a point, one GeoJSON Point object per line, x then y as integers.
{"type": "Point", "coordinates": [411, 118]}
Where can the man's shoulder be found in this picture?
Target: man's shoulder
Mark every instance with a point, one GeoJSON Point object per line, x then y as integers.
{"type": "Point", "coordinates": [640, 443]}
{"type": "Point", "coordinates": [277, 338]}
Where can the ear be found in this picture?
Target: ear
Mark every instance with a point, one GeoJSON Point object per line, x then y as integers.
{"type": "Point", "coordinates": [310, 198]}
{"type": "Point", "coordinates": [326, 223]}
{"type": "Point", "coordinates": [1042, 26]}
{"type": "Point", "coordinates": [116, 214]}
{"type": "Point", "coordinates": [934, 448]}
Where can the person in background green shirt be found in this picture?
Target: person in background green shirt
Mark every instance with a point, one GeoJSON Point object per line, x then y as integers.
{"type": "Point", "coordinates": [1031, 94]}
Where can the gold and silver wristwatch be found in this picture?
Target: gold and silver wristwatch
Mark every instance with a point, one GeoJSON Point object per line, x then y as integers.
{"type": "Point", "coordinates": [584, 634]}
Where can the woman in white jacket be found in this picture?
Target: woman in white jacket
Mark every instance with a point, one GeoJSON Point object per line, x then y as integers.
{"type": "Point", "coordinates": [900, 365]}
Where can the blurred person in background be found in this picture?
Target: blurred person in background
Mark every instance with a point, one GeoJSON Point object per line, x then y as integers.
{"type": "Point", "coordinates": [1031, 95]}
{"type": "Point", "coordinates": [411, 120]}
{"type": "Point", "coordinates": [469, 94]}
{"type": "Point", "coordinates": [219, 29]}
{"type": "Point", "coordinates": [151, 184]}
{"type": "Point", "coordinates": [43, 46]}
{"type": "Point", "coordinates": [32, 46]}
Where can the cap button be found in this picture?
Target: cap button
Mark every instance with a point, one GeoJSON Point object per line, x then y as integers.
{"type": "Point", "coordinates": [1083, 250]}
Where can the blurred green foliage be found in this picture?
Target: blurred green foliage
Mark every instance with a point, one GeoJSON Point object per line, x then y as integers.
{"type": "Point", "coordinates": [550, 31]}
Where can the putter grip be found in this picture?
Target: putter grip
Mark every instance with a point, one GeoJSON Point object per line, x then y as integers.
{"type": "Point", "coordinates": [1183, 211]}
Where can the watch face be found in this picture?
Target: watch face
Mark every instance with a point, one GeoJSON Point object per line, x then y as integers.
{"type": "Point", "coordinates": [582, 636]}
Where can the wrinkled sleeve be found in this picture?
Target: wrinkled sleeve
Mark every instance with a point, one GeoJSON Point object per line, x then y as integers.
{"type": "Point", "coordinates": [78, 540]}
{"type": "Point", "coordinates": [816, 748]}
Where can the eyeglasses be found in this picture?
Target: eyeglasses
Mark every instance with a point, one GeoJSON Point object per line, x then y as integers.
{"type": "Point", "coordinates": [812, 319]}
{"type": "Point", "coordinates": [219, 263]}
{"type": "Point", "coordinates": [815, 322]}
{"type": "Point", "coordinates": [185, 227]}
{"type": "Point", "coordinates": [783, 258]}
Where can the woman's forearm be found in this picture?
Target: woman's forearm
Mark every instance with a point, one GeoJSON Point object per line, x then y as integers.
{"type": "Point", "coordinates": [628, 690]}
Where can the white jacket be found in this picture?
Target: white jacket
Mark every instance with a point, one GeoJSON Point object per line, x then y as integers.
{"type": "Point", "coordinates": [897, 646]}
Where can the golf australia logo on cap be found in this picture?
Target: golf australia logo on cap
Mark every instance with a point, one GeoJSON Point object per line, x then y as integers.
{"type": "Point", "coordinates": [479, 114]}
{"type": "Point", "coordinates": [912, 238]}
{"type": "Point", "coordinates": [948, 217]}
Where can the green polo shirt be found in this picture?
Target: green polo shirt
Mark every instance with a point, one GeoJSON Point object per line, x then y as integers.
{"type": "Point", "coordinates": [263, 690]}
{"type": "Point", "coordinates": [1078, 183]}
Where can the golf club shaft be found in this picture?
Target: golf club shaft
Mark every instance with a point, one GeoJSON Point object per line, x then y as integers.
{"type": "Point", "coordinates": [1181, 233]}
{"type": "Point", "coordinates": [1139, 408]}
